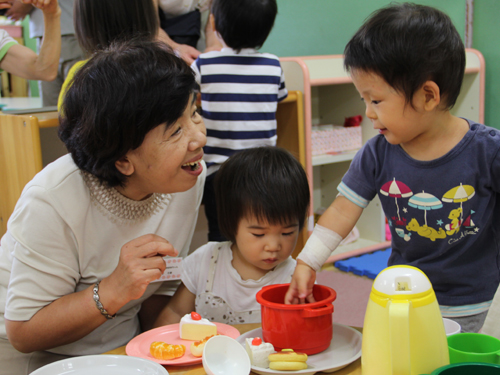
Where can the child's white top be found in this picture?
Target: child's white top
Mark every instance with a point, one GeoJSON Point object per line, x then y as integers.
{"type": "Point", "coordinates": [221, 294]}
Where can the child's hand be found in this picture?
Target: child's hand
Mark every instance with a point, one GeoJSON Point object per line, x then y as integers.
{"type": "Point", "coordinates": [301, 285]}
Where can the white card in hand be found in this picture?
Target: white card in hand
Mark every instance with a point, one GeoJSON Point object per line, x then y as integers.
{"type": "Point", "coordinates": [173, 270]}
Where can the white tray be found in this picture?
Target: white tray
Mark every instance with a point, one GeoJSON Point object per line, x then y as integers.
{"type": "Point", "coordinates": [102, 365]}
{"type": "Point", "coordinates": [344, 349]}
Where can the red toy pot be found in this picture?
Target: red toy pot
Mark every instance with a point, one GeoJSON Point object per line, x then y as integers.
{"type": "Point", "coordinates": [304, 328]}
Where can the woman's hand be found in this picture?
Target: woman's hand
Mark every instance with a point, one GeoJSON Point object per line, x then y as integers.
{"type": "Point", "coordinates": [301, 286]}
{"type": "Point", "coordinates": [141, 262]}
{"type": "Point", "coordinates": [73, 316]}
{"type": "Point", "coordinates": [49, 6]}
{"type": "Point", "coordinates": [185, 52]}
{"type": "Point", "coordinates": [18, 10]}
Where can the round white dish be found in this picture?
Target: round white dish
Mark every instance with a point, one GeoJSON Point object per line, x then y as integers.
{"type": "Point", "coordinates": [102, 365]}
{"type": "Point", "coordinates": [344, 349]}
{"type": "Point", "coordinates": [223, 355]}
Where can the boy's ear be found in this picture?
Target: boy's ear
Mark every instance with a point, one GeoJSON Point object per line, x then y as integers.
{"type": "Point", "coordinates": [125, 166]}
{"type": "Point", "coordinates": [431, 95]}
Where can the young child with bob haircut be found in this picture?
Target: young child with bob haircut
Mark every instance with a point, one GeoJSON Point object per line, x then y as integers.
{"type": "Point", "coordinates": [407, 62]}
{"type": "Point", "coordinates": [262, 200]}
{"type": "Point", "coordinates": [240, 88]}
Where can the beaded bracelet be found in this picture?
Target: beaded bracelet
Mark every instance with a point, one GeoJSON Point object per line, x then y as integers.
{"type": "Point", "coordinates": [99, 304]}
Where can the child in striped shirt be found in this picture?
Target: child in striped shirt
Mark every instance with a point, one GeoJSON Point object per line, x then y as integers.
{"type": "Point", "coordinates": [240, 88]}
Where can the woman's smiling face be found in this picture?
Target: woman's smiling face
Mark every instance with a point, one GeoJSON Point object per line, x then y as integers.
{"type": "Point", "coordinates": [168, 160]}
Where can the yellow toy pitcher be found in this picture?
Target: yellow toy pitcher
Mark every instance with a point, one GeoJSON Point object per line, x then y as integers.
{"type": "Point", "coordinates": [403, 332]}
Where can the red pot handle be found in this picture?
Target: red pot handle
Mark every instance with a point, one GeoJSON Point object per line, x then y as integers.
{"type": "Point", "coordinates": [311, 313]}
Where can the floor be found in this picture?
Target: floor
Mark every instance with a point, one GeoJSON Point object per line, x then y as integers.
{"type": "Point", "coordinates": [352, 294]}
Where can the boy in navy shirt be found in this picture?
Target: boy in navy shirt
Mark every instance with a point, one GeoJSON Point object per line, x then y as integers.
{"type": "Point", "coordinates": [437, 175]}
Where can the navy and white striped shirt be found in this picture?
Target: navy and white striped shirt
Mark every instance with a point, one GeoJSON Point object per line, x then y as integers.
{"type": "Point", "coordinates": [239, 97]}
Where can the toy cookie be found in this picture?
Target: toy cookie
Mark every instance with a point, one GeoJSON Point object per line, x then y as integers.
{"type": "Point", "coordinates": [198, 346]}
{"type": "Point", "coordinates": [287, 360]}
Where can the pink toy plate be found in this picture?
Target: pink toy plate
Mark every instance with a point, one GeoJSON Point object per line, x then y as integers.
{"type": "Point", "coordinates": [139, 345]}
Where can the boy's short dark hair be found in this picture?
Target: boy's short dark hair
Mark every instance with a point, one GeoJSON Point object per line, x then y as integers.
{"type": "Point", "coordinates": [244, 23]}
{"type": "Point", "coordinates": [116, 98]}
{"type": "Point", "coordinates": [267, 182]}
{"type": "Point", "coordinates": [100, 22]}
{"type": "Point", "coordinates": [407, 45]}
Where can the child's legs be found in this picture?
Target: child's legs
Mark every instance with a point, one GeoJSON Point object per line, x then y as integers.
{"type": "Point", "coordinates": [472, 323]}
{"type": "Point", "coordinates": [214, 233]}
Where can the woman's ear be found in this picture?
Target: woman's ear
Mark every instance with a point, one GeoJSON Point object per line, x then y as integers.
{"type": "Point", "coordinates": [124, 166]}
{"type": "Point", "coordinates": [431, 95]}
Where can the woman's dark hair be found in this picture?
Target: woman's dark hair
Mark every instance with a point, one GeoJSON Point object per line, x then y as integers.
{"type": "Point", "coordinates": [98, 23]}
{"type": "Point", "coordinates": [244, 23]}
{"type": "Point", "coordinates": [266, 182]}
{"type": "Point", "coordinates": [116, 98]}
{"type": "Point", "coordinates": [407, 45]}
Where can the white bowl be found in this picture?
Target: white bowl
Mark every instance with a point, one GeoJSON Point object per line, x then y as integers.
{"type": "Point", "coordinates": [102, 365]}
{"type": "Point", "coordinates": [451, 327]}
{"type": "Point", "coordinates": [223, 355]}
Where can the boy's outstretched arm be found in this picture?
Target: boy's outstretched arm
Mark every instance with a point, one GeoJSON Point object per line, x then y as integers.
{"type": "Point", "coordinates": [334, 225]}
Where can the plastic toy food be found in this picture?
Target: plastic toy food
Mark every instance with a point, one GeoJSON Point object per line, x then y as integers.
{"type": "Point", "coordinates": [197, 346]}
{"type": "Point", "coordinates": [287, 360]}
{"type": "Point", "coordinates": [162, 350]}
{"type": "Point", "coordinates": [258, 351]}
{"type": "Point", "coordinates": [194, 327]}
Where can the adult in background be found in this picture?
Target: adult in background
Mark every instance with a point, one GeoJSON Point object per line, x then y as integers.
{"type": "Point", "coordinates": [70, 50]}
{"type": "Point", "coordinates": [96, 223]}
{"type": "Point", "coordinates": [22, 61]}
{"type": "Point", "coordinates": [184, 26]}
{"type": "Point", "coordinates": [99, 23]}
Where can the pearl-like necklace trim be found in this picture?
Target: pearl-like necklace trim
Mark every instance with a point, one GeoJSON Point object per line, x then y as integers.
{"type": "Point", "coordinates": [120, 208]}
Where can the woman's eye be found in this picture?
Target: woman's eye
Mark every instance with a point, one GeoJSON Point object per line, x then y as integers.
{"type": "Point", "coordinates": [375, 101]}
{"type": "Point", "coordinates": [176, 132]}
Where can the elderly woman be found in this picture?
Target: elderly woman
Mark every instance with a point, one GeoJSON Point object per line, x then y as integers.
{"type": "Point", "coordinates": [86, 241]}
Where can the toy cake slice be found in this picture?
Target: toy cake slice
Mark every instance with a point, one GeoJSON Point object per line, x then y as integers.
{"type": "Point", "coordinates": [258, 351]}
{"type": "Point", "coordinates": [194, 327]}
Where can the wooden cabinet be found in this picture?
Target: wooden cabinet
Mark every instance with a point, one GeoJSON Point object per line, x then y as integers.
{"type": "Point", "coordinates": [329, 96]}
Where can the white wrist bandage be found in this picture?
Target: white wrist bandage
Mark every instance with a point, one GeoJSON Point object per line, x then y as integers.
{"type": "Point", "coordinates": [319, 247]}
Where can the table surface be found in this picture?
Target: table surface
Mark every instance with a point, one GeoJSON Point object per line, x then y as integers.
{"type": "Point", "coordinates": [32, 107]}
{"type": "Point", "coordinates": [353, 369]}
{"type": "Point", "coordinates": [21, 102]}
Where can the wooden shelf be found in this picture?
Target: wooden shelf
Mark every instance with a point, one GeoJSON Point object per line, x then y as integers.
{"type": "Point", "coordinates": [337, 158]}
